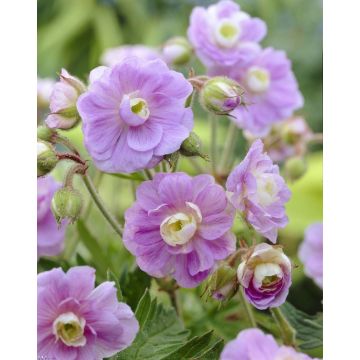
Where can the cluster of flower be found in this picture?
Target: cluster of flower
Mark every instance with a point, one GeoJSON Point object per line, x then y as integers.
{"type": "Point", "coordinates": [135, 113]}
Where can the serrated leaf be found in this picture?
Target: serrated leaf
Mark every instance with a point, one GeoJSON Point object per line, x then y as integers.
{"type": "Point", "coordinates": [133, 285]}
{"type": "Point", "coordinates": [161, 332]}
{"type": "Point", "coordinates": [213, 352]}
{"type": "Point", "coordinates": [309, 329]}
{"type": "Point", "coordinates": [112, 277]}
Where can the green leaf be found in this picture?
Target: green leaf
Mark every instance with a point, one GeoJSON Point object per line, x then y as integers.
{"type": "Point", "coordinates": [213, 352]}
{"type": "Point", "coordinates": [161, 332]}
{"type": "Point", "coordinates": [133, 285]}
{"type": "Point", "coordinates": [45, 264]}
{"type": "Point", "coordinates": [112, 277]}
{"type": "Point", "coordinates": [309, 329]}
{"type": "Point", "coordinates": [94, 248]}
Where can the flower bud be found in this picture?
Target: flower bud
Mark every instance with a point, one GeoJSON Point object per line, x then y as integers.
{"type": "Point", "coordinates": [64, 114]}
{"type": "Point", "coordinates": [295, 168]}
{"type": "Point", "coordinates": [66, 204]}
{"type": "Point", "coordinates": [221, 95]}
{"type": "Point", "coordinates": [265, 276]}
{"type": "Point", "coordinates": [192, 147]}
{"type": "Point", "coordinates": [44, 133]}
{"type": "Point", "coordinates": [177, 51]}
{"type": "Point", "coordinates": [46, 158]}
{"type": "Point", "coordinates": [222, 285]}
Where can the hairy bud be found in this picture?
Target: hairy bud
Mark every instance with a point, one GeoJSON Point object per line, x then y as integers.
{"type": "Point", "coordinates": [221, 95]}
{"type": "Point", "coordinates": [295, 168]}
{"type": "Point", "coordinates": [177, 51]}
{"type": "Point", "coordinates": [46, 134]}
{"type": "Point", "coordinates": [192, 147]}
{"type": "Point", "coordinates": [66, 204]}
{"type": "Point", "coordinates": [46, 158]}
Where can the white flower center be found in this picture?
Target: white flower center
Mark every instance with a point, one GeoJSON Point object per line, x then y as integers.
{"type": "Point", "coordinates": [267, 189]}
{"type": "Point", "coordinates": [267, 273]}
{"type": "Point", "coordinates": [257, 79]}
{"type": "Point", "coordinates": [179, 228]}
{"type": "Point", "coordinates": [70, 329]}
{"type": "Point", "coordinates": [140, 108]}
{"type": "Point", "coordinates": [227, 33]}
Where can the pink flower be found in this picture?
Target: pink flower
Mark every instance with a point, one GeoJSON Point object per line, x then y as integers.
{"type": "Point", "coordinates": [77, 321]}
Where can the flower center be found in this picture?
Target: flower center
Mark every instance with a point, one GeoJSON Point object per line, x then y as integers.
{"type": "Point", "coordinates": [267, 274]}
{"type": "Point", "coordinates": [140, 108]}
{"type": "Point", "coordinates": [70, 329]}
{"type": "Point", "coordinates": [227, 33]}
{"type": "Point", "coordinates": [179, 228]}
{"type": "Point", "coordinates": [267, 189]}
{"type": "Point", "coordinates": [257, 79]}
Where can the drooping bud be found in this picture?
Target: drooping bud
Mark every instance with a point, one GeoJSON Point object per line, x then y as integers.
{"type": "Point", "coordinates": [44, 133]}
{"type": "Point", "coordinates": [192, 147]}
{"type": "Point", "coordinates": [177, 51]}
{"type": "Point", "coordinates": [66, 204]}
{"type": "Point", "coordinates": [222, 285]}
{"type": "Point", "coordinates": [46, 158]}
{"type": "Point", "coordinates": [295, 168]}
{"type": "Point", "coordinates": [221, 95]}
{"type": "Point", "coordinates": [64, 114]}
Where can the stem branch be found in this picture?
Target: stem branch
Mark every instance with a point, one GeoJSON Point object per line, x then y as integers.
{"type": "Point", "coordinates": [248, 309]}
{"type": "Point", "coordinates": [287, 331]}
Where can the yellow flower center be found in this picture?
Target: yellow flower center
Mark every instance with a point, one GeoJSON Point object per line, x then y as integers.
{"type": "Point", "coordinates": [227, 33]}
{"type": "Point", "coordinates": [140, 107]}
{"type": "Point", "coordinates": [70, 329]}
{"type": "Point", "coordinates": [257, 79]}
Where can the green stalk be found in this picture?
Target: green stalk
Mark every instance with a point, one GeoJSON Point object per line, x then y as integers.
{"type": "Point", "coordinates": [213, 145]}
{"type": "Point", "coordinates": [288, 333]}
{"type": "Point", "coordinates": [228, 147]}
{"type": "Point", "coordinates": [248, 309]}
{"type": "Point", "coordinates": [101, 206]}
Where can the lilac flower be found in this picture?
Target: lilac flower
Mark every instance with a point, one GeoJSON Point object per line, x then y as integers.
{"type": "Point", "coordinates": [311, 253]}
{"type": "Point", "coordinates": [116, 55]}
{"type": "Point", "coordinates": [77, 321]}
{"type": "Point", "coordinates": [257, 190]}
{"type": "Point", "coordinates": [133, 114]}
{"type": "Point", "coordinates": [265, 276]}
{"type": "Point", "coordinates": [286, 139]}
{"type": "Point", "coordinates": [50, 238]}
{"type": "Point", "coordinates": [223, 35]}
{"type": "Point", "coordinates": [253, 344]}
{"type": "Point", "coordinates": [63, 102]}
{"type": "Point", "coordinates": [271, 91]}
{"type": "Point", "coordinates": [179, 226]}
{"type": "Point", "coordinates": [44, 89]}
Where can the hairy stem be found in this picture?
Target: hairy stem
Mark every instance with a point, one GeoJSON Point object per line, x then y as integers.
{"type": "Point", "coordinates": [101, 206]}
{"type": "Point", "coordinates": [228, 147]}
{"type": "Point", "coordinates": [213, 149]}
{"type": "Point", "coordinates": [66, 142]}
{"type": "Point", "coordinates": [248, 309]}
{"type": "Point", "coordinates": [287, 331]}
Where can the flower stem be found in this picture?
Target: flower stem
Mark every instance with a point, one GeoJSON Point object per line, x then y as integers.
{"type": "Point", "coordinates": [229, 146]}
{"type": "Point", "coordinates": [66, 142]}
{"type": "Point", "coordinates": [287, 331]}
{"type": "Point", "coordinates": [213, 149]}
{"type": "Point", "coordinates": [101, 206]}
{"type": "Point", "coordinates": [248, 309]}
{"type": "Point", "coordinates": [148, 174]}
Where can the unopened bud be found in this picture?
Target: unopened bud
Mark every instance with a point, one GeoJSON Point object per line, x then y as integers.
{"type": "Point", "coordinates": [66, 204]}
{"type": "Point", "coordinates": [221, 95]}
{"type": "Point", "coordinates": [192, 147]}
{"type": "Point", "coordinates": [222, 284]}
{"type": "Point", "coordinates": [64, 114]}
{"type": "Point", "coordinates": [177, 51]}
{"type": "Point", "coordinates": [46, 158]}
{"type": "Point", "coordinates": [44, 133]}
{"type": "Point", "coordinates": [295, 168]}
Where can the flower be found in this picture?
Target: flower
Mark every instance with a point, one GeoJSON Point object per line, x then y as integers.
{"type": "Point", "coordinates": [116, 55]}
{"type": "Point", "coordinates": [50, 238]}
{"type": "Point", "coordinates": [63, 102]}
{"type": "Point", "coordinates": [271, 91]}
{"type": "Point", "coordinates": [179, 226]}
{"type": "Point", "coordinates": [256, 189]}
{"type": "Point", "coordinates": [77, 321]}
{"type": "Point", "coordinates": [133, 114]}
{"type": "Point", "coordinates": [286, 138]}
{"type": "Point", "coordinates": [221, 95]}
{"type": "Point", "coordinates": [311, 253]}
{"type": "Point", "coordinates": [253, 344]}
{"type": "Point", "coordinates": [265, 276]}
{"type": "Point", "coordinates": [224, 35]}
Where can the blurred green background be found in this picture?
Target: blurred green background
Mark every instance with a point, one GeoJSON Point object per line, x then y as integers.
{"type": "Point", "coordinates": [74, 34]}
